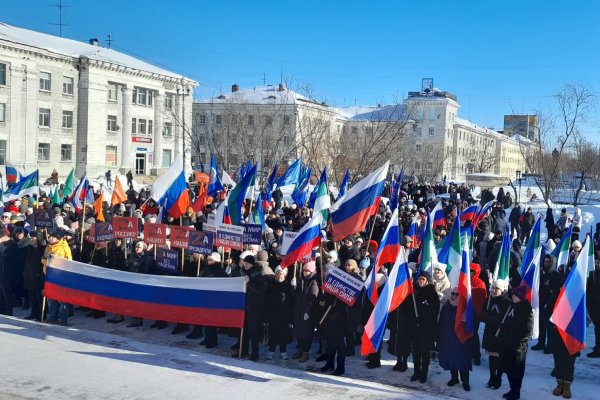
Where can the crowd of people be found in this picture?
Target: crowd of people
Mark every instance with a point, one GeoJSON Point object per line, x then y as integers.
{"type": "Point", "coordinates": [287, 310]}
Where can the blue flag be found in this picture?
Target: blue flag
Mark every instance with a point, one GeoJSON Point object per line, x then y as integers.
{"type": "Point", "coordinates": [291, 175]}
{"type": "Point", "coordinates": [271, 183]}
{"type": "Point", "coordinates": [344, 185]}
{"type": "Point", "coordinates": [214, 183]}
{"type": "Point", "coordinates": [395, 196]}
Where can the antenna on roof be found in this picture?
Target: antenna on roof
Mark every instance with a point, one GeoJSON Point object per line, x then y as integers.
{"type": "Point", "coordinates": [108, 40]}
{"type": "Point", "coordinates": [60, 24]}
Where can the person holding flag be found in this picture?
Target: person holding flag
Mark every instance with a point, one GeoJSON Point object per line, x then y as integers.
{"type": "Point", "coordinates": [515, 331]}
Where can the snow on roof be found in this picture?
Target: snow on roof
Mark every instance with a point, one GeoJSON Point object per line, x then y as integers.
{"type": "Point", "coordinates": [269, 94]}
{"type": "Point", "coordinates": [488, 131]}
{"type": "Point", "coordinates": [73, 48]}
{"type": "Point", "coordinates": [393, 112]}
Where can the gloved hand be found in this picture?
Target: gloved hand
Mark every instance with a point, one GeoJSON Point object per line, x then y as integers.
{"type": "Point", "coordinates": [293, 282]}
{"type": "Point", "coordinates": [246, 279]}
{"type": "Point", "coordinates": [306, 316]}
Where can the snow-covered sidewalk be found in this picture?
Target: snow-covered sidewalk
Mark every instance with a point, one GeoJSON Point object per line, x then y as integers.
{"type": "Point", "coordinates": [91, 358]}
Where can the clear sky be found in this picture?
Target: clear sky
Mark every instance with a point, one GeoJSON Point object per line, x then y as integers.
{"type": "Point", "coordinates": [498, 57]}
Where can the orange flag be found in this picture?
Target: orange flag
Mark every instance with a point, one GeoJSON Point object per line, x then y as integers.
{"type": "Point", "coordinates": [118, 195]}
{"type": "Point", "coordinates": [98, 208]}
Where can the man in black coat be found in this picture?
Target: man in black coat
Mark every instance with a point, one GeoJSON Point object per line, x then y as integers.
{"type": "Point", "coordinates": [550, 284]}
{"type": "Point", "coordinates": [593, 305]}
{"type": "Point", "coordinates": [140, 262]}
{"type": "Point", "coordinates": [424, 325]}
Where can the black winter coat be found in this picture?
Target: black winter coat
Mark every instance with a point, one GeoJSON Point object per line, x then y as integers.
{"type": "Point", "coordinates": [424, 328]}
{"type": "Point", "coordinates": [593, 296]}
{"type": "Point", "coordinates": [517, 328]}
{"type": "Point", "coordinates": [492, 318]}
{"type": "Point", "coordinates": [307, 293]}
{"type": "Point", "coordinates": [140, 263]}
{"type": "Point", "coordinates": [279, 311]}
{"type": "Point", "coordinates": [33, 273]}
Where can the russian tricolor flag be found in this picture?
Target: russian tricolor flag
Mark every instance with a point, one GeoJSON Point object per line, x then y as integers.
{"type": "Point", "coordinates": [481, 213]}
{"type": "Point", "coordinates": [388, 251]}
{"type": "Point", "coordinates": [413, 233]}
{"type": "Point", "coordinates": [307, 239]}
{"type": "Point", "coordinates": [569, 314]}
{"type": "Point", "coordinates": [439, 218]}
{"type": "Point", "coordinates": [351, 213]}
{"type": "Point", "coordinates": [396, 289]}
{"type": "Point", "coordinates": [212, 302]}
{"type": "Point", "coordinates": [465, 314]}
{"type": "Point", "coordinates": [172, 187]}
{"type": "Point", "coordinates": [12, 174]}
{"type": "Point", "coordinates": [470, 214]}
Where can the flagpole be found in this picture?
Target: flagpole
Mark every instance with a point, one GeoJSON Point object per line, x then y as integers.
{"type": "Point", "coordinates": [198, 266]}
{"type": "Point", "coordinates": [82, 224]}
{"type": "Point", "coordinates": [182, 249]}
{"type": "Point", "coordinates": [43, 308]}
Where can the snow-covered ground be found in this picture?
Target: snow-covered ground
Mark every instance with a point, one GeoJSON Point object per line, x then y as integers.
{"type": "Point", "coordinates": [93, 359]}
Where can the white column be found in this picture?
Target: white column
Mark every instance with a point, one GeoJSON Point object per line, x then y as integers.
{"type": "Point", "coordinates": [178, 128]}
{"type": "Point", "coordinates": [159, 111]}
{"type": "Point", "coordinates": [17, 131]}
{"type": "Point", "coordinates": [126, 131]}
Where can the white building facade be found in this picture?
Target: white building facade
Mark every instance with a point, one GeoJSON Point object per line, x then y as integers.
{"type": "Point", "coordinates": [66, 104]}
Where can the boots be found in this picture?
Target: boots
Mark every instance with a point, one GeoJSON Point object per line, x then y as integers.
{"type": "Point", "coordinates": [454, 380]}
{"type": "Point", "coordinates": [297, 354]}
{"type": "Point", "coordinates": [304, 357]}
{"type": "Point", "coordinates": [417, 370]}
{"type": "Point", "coordinates": [558, 390]}
{"type": "Point", "coordinates": [566, 390]}
{"type": "Point", "coordinates": [401, 364]}
{"type": "Point", "coordinates": [423, 374]}
{"type": "Point", "coordinates": [464, 377]}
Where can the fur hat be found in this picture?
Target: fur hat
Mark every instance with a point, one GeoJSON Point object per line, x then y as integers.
{"type": "Point", "coordinates": [501, 284]}
{"type": "Point", "coordinates": [262, 255]}
{"type": "Point", "coordinates": [576, 245]}
{"type": "Point", "coordinates": [333, 255]}
{"type": "Point", "coordinates": [214, 256]}
{"type": "Point", "coordinates": [520, 292]}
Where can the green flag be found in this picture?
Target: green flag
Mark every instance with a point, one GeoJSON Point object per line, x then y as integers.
{"type": "Point", "coordinates": [56, 200]}
{"type": "Point", "coordinates": [68, 189]}
{"type": "Point", "coordinates": [503, 262]}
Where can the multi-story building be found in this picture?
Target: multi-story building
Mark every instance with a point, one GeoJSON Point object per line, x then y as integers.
{"type": "Point", "coordinates": [66, 104]}
{"type": "Point", "coordinates": [523, 125]}
{"type": "Point", "coordinates": [264, 125]}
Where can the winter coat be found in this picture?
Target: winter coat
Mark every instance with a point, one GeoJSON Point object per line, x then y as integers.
{"type": "Point", "coordinates": [334, 324]}
{"type": "Point", "coordinates": [279, 311]}
{"type": "Point", "coordinates": [550, 284]}
{"type": "Point", "coordinates": [58, 249]}
{"type": "Point", "coordinates": [443, 288]}
{"type": "Point", "coordinates": [15, 253]}
{"type": "Point", "coordinates": [478, 290]}
{"type": "Point", "coordinates": [400, 330]}
{"type": "Point", "coordinates": [355, 312]}
{"type": "Point", "coordinates": [514, 216]}
{"type": "Point", "coordinates": [517, 328]}
{"type": "Point", "coordinates": [140, 263]}
{"type": "Point", "coordinates": [259, 278]}
{"type": "Point", "coordinates": [307, 292]}
{"type": "Point", "coordinates": [453, 355]}
{"type": "Point", "coordinates": [593, 296]}
{"type": "Point", "coordinates": [33, 272]}
{"type": "Point", "coordinates": [577, 220]}
{"type": "Point", "coordinates": [528, 221]}
{"type": "Point", "coordinates": [424, 326]}
{"type": "Point", "coordinates": [492, 318]}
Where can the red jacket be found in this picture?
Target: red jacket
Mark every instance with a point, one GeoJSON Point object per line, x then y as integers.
{"type": "Point", "coordinates": [478, 290]}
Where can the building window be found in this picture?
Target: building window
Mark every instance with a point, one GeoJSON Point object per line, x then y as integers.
{"type": "Point", "coordinates": [286, 120]}
{"type": "Point", "coordinates": [44, 117]}
{"type": "Point", "coordinates": [112, 123]}
{"type": "Point", "coordinates": [250, 119]}
{"type": "Point", "coordinates": [133, 125]}
{"type": "Point", "coordinates": [65, 152]}
{"type": "Point", "coordinates": [166, 160]}
{"type": "Point", "coordinates": [168, 129]}
{"type": "Point", "coordinates": [150, 127]}
{"type": "Point", "coordinates": [67, 85]}
{"type": "Point", "coordinates": [431, 131]}
{"type": "Point", "coordinates": [67, 120]}
{"type": "Point", "coordinates": [2, 152]}
{"type": "Point", "coordinates": [141, 126]}
{"type": "Point", "coordinates": [2, 75]}
{"type": "Point", "coordinates": [45, 78]}
{"type": "Point", "coordinates": [268, 120]}
{"type": "Point", "coordinates": [218, 119]}
{"type": "Point", "coordinates": [429, 166]}
{"type": "Point", "coordinates": [169, 102]}
{"type": "Point", "coordinates": [112, 92]}
{"type": "Point", "coordinates": [110, 158]}
{"type": "Point", "coordinates": [43, 151]}
{"type": "Point", "coordinates": [2, 112]}
{"type": "Point", "coordinates": [354, 130]}
{"type": "Point", "coordinates": [201, 139]}
{"type": "Point", "coordinates": [201, 119]}
{"type": "Point", "coordinates": [142, 97]}
{"type": "Point", "coordinates": [418, 147]}
{"type": "Point", "coordinates": [417, 165]}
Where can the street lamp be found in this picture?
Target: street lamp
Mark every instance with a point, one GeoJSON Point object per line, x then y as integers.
{"type": "Point", "coordinates": [518, 172]}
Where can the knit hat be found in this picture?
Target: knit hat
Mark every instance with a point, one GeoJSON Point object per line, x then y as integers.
{"type": "Point", "coordinates": [520, 292]}
{"type": "Point", "coordinates": [576, 245]}
{"type": "Point", "coordinates": [427, 276]}
{"type": "Point", "coordinates": [262, 255]}
{"type": "Point", "coordinates": [214, 256]}
{"type": "Point", "coordinates": [284, 271]}
{"type": "Point", "coordinates": [247, 257]}
{"type": "Point", "coordinates": [501, 284]}
{"type": "Point", "coordinates": [364, 263]}
{"type": "Point", "coordinates": [351, 262]}
{"type": "Point", "coordinates": [57, 233]}
{"type": "Point", "coordinates": [310, 266]}
{"type": "Point", "coordinates": [333, 255]}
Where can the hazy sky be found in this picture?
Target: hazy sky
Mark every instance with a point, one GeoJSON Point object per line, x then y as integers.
{"type": "Point", "coordinates": [498, 57]}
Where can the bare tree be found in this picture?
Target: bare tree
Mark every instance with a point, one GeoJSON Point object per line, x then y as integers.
{"type": "Point", "coordinates": [558, 128]}
{"type": "Point", "coordinates": [482, 159]}
{"type": "Point", "coordinates": [581, 166]}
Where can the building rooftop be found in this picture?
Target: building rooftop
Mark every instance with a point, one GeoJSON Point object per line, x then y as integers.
{"type": "Point", "coordinates": [269, 94]}
{"type": "Point", "coordinates": [387, 113]}
{"type": "Point", "coordinates": [72, 48]}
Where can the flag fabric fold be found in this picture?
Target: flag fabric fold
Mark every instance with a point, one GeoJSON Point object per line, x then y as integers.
{"type": "Point", "coordinates": [118, 194]}
{"type": "Point", "coordinates": [396, 188]}
{"type": "Point", "coordinates": [531, 283]}
{"type": "Point", "coordinates": [344, 185]}
{"type": "Point", "coordinates": [27, 185]}
{"type": "Point", "coordinates": [291, 175]}
{"type": "Point", "coordinates": [465, 314]}
{"type": "Point", "coordinates": [351, 213]}
{"type": "Point", "coordinates": [214, 183]}
{"type": "Point", "coordinates": [428, 251]}
{"type": "Point", "coordinates": [307, 238]}
{"type": "Point", "coordinates": [172, 186]}
{"type": "Point", "coordinates": [235, 198]}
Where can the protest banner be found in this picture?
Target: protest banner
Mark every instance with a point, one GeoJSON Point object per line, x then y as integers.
{"type": "Point", "coordinates": [42, 219]}
{"type": "Point", "coordinates": [155, 233]}
{"type": "Point", "coordinates": [103, 232]}
{"type": "Point", "coordinates": [125, 227]}
{"type": "Point", "coordinates": [230, 236]}
{"type": "Point", "coordinates": [343, 286]}
{"type": "Point", "coordinates": [180, 236]}
{"type": "Point", "coordinates": [167, 260]}
{"type": "Point", "coordinates": [201, 242]}
{"type": "Point", "coordinates": [288, 238]}
{"type": "Point", "coordinates": [252, 233]}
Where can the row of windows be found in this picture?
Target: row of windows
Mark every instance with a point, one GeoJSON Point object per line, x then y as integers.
{"type": "Point", "coordinates": [268, 120]}
{"type": "Point", "coordinates": [45, 81]}
{"type": "Point", "coordinates": [428, 165]}
{"type": "Point", "coordinates": [66, 152]}
{"type": "Point", "coordinates": [44, 118]}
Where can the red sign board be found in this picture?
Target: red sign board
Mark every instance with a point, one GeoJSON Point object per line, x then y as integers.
{"type": "Point", "coordinates": [140, 139]}
{"type": "Point", "coordinates": [180, 236]}
{"type": "Point", "coordinates": [125, 227]}
{"type": "Point", "coordinates": [155, 233]}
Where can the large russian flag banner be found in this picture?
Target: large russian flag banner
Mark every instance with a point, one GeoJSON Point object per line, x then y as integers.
{"type": "Point", "coordinates": [198, 301]}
